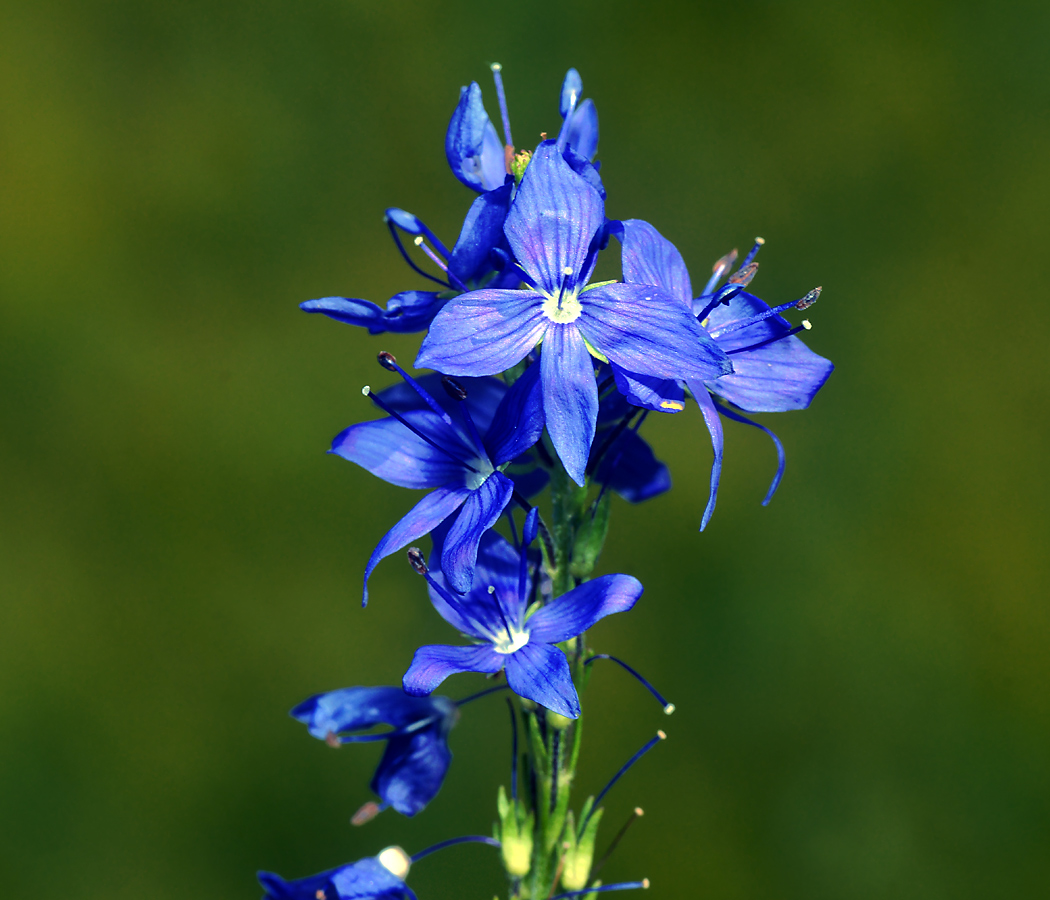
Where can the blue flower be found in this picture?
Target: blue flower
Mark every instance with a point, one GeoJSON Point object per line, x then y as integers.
{"type": "Point", "coordinates": [459, 448]}
{"type": "Point", "coordinates": [379, 877]}
{"type": "Point", "coordinates": [620, 458]}
{"type": "Point", "coordinates": [773, 371]}
{"type": "Point", "coordinates": [493, 613]}
{"type": "Point", "coordinates": [416, 757]}
{"type": "Point", "coordinates": [554, 229]}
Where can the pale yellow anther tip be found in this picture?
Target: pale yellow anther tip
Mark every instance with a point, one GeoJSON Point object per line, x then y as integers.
{"type": "Point", "coordinates": [669, 709]}
{"type": "Point", "coordinates": [395, 861]}
{"type": "Point", "coordinates": [638, 811]}
{"type": "Point", "coordinates": [661, 735]}
{"type": "Point", "coordinates": [645, 882]}
{"type": "Point", "coordinates": [760, 241]}
{"type": "Point", "coordinates": [807, 324]}
{"type": "Point", "coordinates": [418, 240]}
{"type": "Point", "coordinates": [366, 390]}
{"type": "Point", "coordinates": [496, 67]}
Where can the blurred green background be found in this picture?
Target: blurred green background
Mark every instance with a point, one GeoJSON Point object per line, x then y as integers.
{"type": "Point", "coordinates": [861, 669]}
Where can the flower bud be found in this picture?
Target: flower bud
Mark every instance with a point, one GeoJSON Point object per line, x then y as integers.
{"type": "Point", "coordinates": [579, 855]}
{"type": "Point", "coordinates": [515, 835]}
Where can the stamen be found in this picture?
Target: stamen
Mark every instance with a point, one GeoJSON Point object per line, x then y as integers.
{"type": "Point", "coordinates": [509, 511]}
{"type": "Point", "coordinates": [555, 766]}
{"type": "Point", "coordinates": [759, 244]}
{"type": "Point", "coordinates": [389, 410]}
{"type": "Point", "coordinates": [367, 813]}
{"type": "Point", "coordinates": [660, 736]}
{"type": "Point", "coordinates": [389, 362]}
{"type": "Point", "coordinates": [635, 815]}
{"type": "Point", "coordinates": [459, 393]}
{"type": "Point", "coordinates": [469, 839]}
{"type": "Point", "coordinates": [415, 559]}
{"type": "Point", "coordinates": [742, 276]}
{"type": "Point", "coordinates": [781, 457]}
{"type": "Point", "coordinates": [440, 263]}
{"type": "Point", "coordinates": [472, 697]}
{"type": "Point", "coordinates": [411, 224]}
{"type": "Point", "coordinates": [404, 253]}
{"type": "Point", "coordinates": [724, 295]}
{"type": "Point", "coordinates": [805, 326]}
{"type": "Point", "coordinates": [804, 303]}
{"type": "Point", "coordinates": [497, 76]}
{"type": "Point", "coordinates": [502, 614]}
{"type": "Point", "coordinates": [382, 735]}
{"type": "Point", "coordinates": [621, 886]}
{"type": "Point", "coordinates": [513, 750]}
{"type": "Point", "coordinates": [717, 271]}
{"type": "Point", "coordinates": [613, 435]}
{"type": "Point", "coordinates": [544, 532]}
{"type": "Point", "coordinates": [668, 707]}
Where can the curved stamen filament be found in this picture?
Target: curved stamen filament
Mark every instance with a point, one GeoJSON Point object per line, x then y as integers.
{"type": "Point", "coordinates": [805, 326]}
{"type": "Point", "coordinates": [404, 253]}
{"type": "Point", "coordinates": [717, 271]}
{"type": "Point", "coordinates": [389, 362]}
{"type": "Point", "coordinates": [627, 765]}
{"type": "Point", "coordinates": [472, 697]}
{"type": "Point", "coordinates": [393, 413]}
{"type": "Point", "coordinates": [620, 886]}
{"type": "Point", "coordinates": [468, 839]}
{"type": "Point", "coordinates": [667, 707]}
{"type": "Point", "coordinates": [781, 457]}
{"type": "Point", "coordinates": [420, 242]}
{"type": "Point", "coordinates": [497, 76]}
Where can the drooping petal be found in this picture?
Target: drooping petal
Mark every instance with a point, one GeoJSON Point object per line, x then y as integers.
{"type": "Point", "coordinates": [412, 768]}
{"type": "Point", "coordinates": [426, 515]}
{"type": "Point", "coordinates": [630, 468]}
{"type": "Point", "coordinates": [387, 449]}
{"type": "Point", "coordinates": [714, 428]}
{"type": "Point", "coordinates": [583, 129]}
{"type": "Point", "coordinates": [649, 258]}
{"type": "Point", "coordinates": [482, 231]}
{"type": "Point", "coordinates": [660, 394]}
{"type": "Point", "coordinates": [483, 332]}
{"type": "Point", "coordinates": [479, 513]}
{"type": "Point", "coordinates": [645, 329]}
{"type": "Point", "coordinates": [350, 709]}
{"type": "Point", "coordinates": [552, 220]}
{"type": "Point", "coordinates": [518, 422]}
{"type": "Point", "coordinates": [573, 613]}
{"type": "Point", "coordinates": [570, 397]}
{"type": "Point", "coordinates": [433, 663]}
{"type": "Point", "coordinates": [368, 879]}
{"type": "Point", "coordinates": [540, 672]}
{"type": "Point", "coordinates": [406, 312]}
{"type": "Point", "coordinates": [473, 148]}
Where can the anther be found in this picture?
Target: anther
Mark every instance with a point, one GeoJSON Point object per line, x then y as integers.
{"type": "Point", "coordinates": [453, 388]}
{"type": "Point", "coordinates": [416, 560]}
{"type": "Point", "coordinates": [332, 740]}
{"type": "Point", "coordinates": [567, 270]}
{"type": "Point", "coordinates": [744, 274]}
{"type": "Point", "coordinates": [395, 861]}
{"type": "Point", "coordinates": [661, 735]}
{"type": "Point", "coordinates": [366, 813]}
{"type": "Point", "coordinates": [810, 298]}
{"type": "Point", "coordinates": [366, 391]}
{"type": "Point", "coordinates": [807, 324]}
{"type": "Point", "coordinates": [387, 360]}
{"type": "Point", "coordinates": [759, 242]}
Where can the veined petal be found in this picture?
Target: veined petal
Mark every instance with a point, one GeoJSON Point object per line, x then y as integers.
{"type": "Point", "coordinates": [649, 258]}
{"type": "Point", "coordinates": [573, 613]}
{"type": "Point", "coordinates": [472, 147]}
{"type": "Point", "coordinates": [386, 448]}
{"type": "Point", "coordinates": [350, 709]}
{"type": "Point", "coordinates": [479, 513]}
{"type": "Point", "coordinates": [570, 397]}
{"type": "Point", "coordinates": [714, 428]}
{"type": "Point", "coordinates": [433, 663]}
{"type": "Point", "coordinates": [540, 672]}
{"type": "Point", "coordinates": [583, 130]}
{"type": "Point", "coordinates": [630, 468]}
{"type": "Point", "coordinates": [405, 312]}
{"type": "Point", "coordinates": [660, 394]}
{"type": "Point", "coordinates": [518, 422]}
{"type": "Point", "coordinates": [412, 768]}
{"type": "Point", "coordinates": [482, 230]}
{"type": "Point", "coordinates": [483, 332]}
{"type": "Point", "coordinates": [645, 329]}
{"type": "Point", "coordinates": [552, 220]}
{"type": "Point", "coordinates": [426, 515]}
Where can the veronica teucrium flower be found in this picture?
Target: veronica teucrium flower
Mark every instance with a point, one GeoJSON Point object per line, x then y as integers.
{"type": "Point", "coordinates": [455, 447]}
{"type": "Point", "coordinates": [493, 614]}
{"type": "Point", "coordinates": [416, 758]}
{"type": "Point", "coordinates": [773, 371]}
{"type": "Point", "coordinates": [553, 229]}
{"type": "Point", "coordinates": [379, 877]}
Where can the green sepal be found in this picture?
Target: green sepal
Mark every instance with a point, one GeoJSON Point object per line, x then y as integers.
{"type": "Point", "coordinates": [514, 832]}
{"type": "Point", "coordinates": [590, 538]}
{"type": "Point", "coordinates": [579, 851]}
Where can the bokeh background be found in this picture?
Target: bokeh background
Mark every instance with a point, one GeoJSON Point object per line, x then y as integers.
{"type": "Point", "coordinates": [861, 669]}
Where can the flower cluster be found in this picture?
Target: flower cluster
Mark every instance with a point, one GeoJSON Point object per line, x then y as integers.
{"type": "Point", "coordinates": [541, 380]}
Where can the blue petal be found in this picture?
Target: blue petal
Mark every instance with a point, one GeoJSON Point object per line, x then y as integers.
{"type": "Point", "coordinates": [406, 312]}
{"type": "Point", "coordinates": [552, 220]}
{"type": "Point", "coordinates": [587, 170]}
{"type": "Point", "coordinates": [518, 422]}
{"type": "Point", "coordinates": [571, 88]}
{"type": "Point", "coordinates": [426, 515]}
{"type": "Point", "coordinates": [645, 329]}
{"type": "Point", "coordinates": [433, 663]}
{"type": "Point", "coordinates": [630, 468]}
{"type": "Point", "coordinates": [483, 332]}
{"type": "Point", "coordinates": [387, 449]}
{"type": "Point", "coordinates": [660, 394]}
{"type": "Point", "coordinates": [300, 889]}
{"type": "Point", "coordinates": [649, 258]}
{"type": "Point", "coordinates": [540, 672]}
{"type": "Point", "coordinates": [368, 879]}
{"type": "Point", "coordinates": [479, 513]}
{"type": "Point", "coordinates": [714, 427]}
{"type": "Point", "coordinates": [482, 231]}
{"type": "Point", "coordinates": [570, 397]}
{"type": "Point", "coordinates": [780, 376]}
{"type": "Point", "coordinates": [473, 148]}
{"type": "Point", "coordinates": [573, 613]}
{"type": "Point", "coordinates": [414, 766]}
{"type": "Point", "coordinates": [582, 130]}
{"type": "Point", "coordinates": [350, 709]}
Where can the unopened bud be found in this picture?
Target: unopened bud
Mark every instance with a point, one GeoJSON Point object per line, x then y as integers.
{"type": "Point", "coordinates": [387, 360]}
{"type": "Point", "coordinates": [416, 561]}
{"type": "Point", "coordinates": [453, 388]}
{"type": "Point", "coordinates": [744, 275]}
{"type": "Point", "coordinates": [366, 813]}
{"type": "Point", "coordinates": [810, 298]}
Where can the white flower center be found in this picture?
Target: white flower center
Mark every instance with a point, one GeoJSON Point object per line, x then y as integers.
{"type": "Point", "coordinates": [563, 312]}
{"type": "Point", "coordinates": [507, 643]}
{"type": "Point", "coordinates": [474, 480]}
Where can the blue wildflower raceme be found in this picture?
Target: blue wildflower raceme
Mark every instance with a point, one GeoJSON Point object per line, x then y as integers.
{"type": "Point", "coordinates": [457, 447]}
{"type": "Point", "coordinates": [554, 228]}
{"type": "Point", "coordinates": [494, 614]}
{"type": "Point", "coordinates": [416, 757]}
{"type": "Point", "coordinates": [773, 371]}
